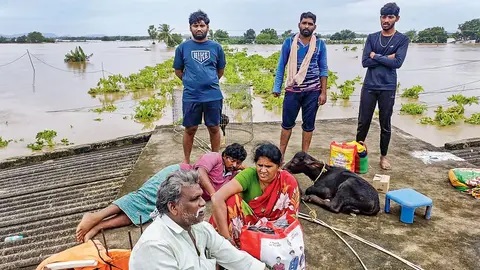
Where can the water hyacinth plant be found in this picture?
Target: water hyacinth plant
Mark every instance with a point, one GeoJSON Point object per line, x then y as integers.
{"type": "Point", "coordinates": [474, 119]}
{"type": "Point", "coordinates": [4, 143]}
{"type": "Point", "coordinates": [43, 138]}
{"type": "Point", "coordinates": [451, 115]}
{"type": "Point", "coordinates": [412, 92]}
{"type": "Point", "coordinates": [346, 89]}
{"type": "Point", "coordinates": [150, 109]}
{"type": "Point", "coordinates": [413, 108]}
{"type": "Point", "coordinates": [105, 108]}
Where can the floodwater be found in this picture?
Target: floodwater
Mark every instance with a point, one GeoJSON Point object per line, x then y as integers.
{"type": "Point", "coordinates": [55, 95]}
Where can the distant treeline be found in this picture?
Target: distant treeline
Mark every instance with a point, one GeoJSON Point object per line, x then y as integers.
{"type": "Point", "coordinates": [37, 37]}
{"type": "Point", "coordinates": [469, 30]}
{"type": "Point", "coordinates": [32, 37]}
{"type": "Point", "coordinates": [105, 38]}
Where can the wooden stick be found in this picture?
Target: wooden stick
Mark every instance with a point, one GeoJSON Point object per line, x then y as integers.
{"type": "Point", "coordinates": [106, 246]}
{"type": "Point", "coordinates": [130, 240]}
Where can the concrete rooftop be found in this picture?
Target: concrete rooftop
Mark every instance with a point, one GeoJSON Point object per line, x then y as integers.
{"type": "Point", "coordinates": [450, 240]}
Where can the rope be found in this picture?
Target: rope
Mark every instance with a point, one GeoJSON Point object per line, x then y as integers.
{"type": "Point", "coordinates": [109, 72]}
{"type": "Point", "coordinates": [321, 172]}
{"type": "Point", "coordinates": [78, 109]}
{"type": "Point", "coordinates": [450, 87]}
{"type": "Point", "coordinates": [438, 91]}
{"type": "Point", "coordinates": [320, 222]}
{"type": "Point", "coordinates": [61, 69]}
{"type": "Point", "coordinates": [3, 65]}
{"type": "Point", "coordinates": [343, 240]}
{"type": "Point", "coordinates": [438, 67]}
{"type": "Point", "coordinates": [449, 91]}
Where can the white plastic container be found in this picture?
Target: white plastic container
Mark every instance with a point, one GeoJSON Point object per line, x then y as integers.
{"type": "Point", "coordinates": [13, 238]}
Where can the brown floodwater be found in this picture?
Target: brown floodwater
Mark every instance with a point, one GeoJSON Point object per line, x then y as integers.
{"type": "Point", "coordinates": [56, 97]}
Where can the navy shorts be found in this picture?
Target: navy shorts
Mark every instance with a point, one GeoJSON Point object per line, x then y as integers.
{"type": "Point", "coordinates": [292, 103]}
{"type": "Point", "coordinates": [193, 112]}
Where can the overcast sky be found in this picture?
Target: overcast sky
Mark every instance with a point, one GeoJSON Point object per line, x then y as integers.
{"type": "Point", "coordinates": [132, 17]}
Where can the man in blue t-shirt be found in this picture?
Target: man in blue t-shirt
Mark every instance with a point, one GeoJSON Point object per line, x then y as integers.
{"type": "Point", "coordinates": [294, 262]}
{"type": "Point", "coordinates": [306, 85]}
{"type": "Point", "coordinates": [383, 54]}
{"type": "Point", "coordinates": [200, 63]}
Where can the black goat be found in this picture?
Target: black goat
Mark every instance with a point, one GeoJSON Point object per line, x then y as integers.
{"type": "Point", "coordinates": [334, 188]}
{"type": "Point", "coordinates": [224, 120]}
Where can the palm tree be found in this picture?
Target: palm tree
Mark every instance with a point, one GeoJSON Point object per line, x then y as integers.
{"type": "Point", "coordinates": [165, 35]}
{"type": "Point", "coordinates": [152, 32]}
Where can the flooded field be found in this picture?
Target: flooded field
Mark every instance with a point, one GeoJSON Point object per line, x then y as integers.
{"type": "Point", "coordinates": [53, 95]}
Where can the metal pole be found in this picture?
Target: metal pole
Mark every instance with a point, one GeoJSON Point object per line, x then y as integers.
{"type": "Point", "coordinates": [31, 62]}
{"type": "Point", "coordinates": [33, 67]}
{"type": "Point", "coordinates": [103, 72]}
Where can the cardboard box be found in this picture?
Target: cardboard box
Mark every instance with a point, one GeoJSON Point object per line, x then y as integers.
{"type": "Point", "coordinates": [381, 182]}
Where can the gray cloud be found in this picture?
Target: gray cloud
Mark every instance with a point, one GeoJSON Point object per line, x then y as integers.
{"type": "Point", "coordinates": [128, 17]}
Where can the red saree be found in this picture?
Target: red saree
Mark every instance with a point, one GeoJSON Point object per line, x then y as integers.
{"type": "Point", "coordinates": [281, 199]}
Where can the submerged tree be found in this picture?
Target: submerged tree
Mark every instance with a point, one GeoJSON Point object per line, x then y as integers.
{"type": "Point", "coordinates": [412, 35]}
{"type": "Point", "coordinates": [470, 30]}
{"type": "Point", "coordinates": [221, 36]}
{"type": "Point", "coordinates": [343, 35]}
{"type": "Point", "coordinates": [35, 37]}
{"type": "Point", "coordinates": [249, 36]}
{"type": "Point", "coordinates": [267, 36]}
{"type": "Point", "coordinates": [287, 34]}
{"type": "Point", "coordinates": [432, 35]}
{"type": "Point", "coordinates": [77, 55]}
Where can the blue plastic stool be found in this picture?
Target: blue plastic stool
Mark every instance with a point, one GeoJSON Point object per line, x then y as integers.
{"type": "Point", "coordinates": [408, 199]}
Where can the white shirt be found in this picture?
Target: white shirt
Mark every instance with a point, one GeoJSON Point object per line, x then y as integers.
{"type": "Point", "coordinates": [166, 245]}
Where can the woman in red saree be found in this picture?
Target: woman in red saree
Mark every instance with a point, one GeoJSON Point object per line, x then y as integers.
{"type": "Point", "coordinates": [261, 193]}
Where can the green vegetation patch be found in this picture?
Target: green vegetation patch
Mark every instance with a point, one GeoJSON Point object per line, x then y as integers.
{"type": "Point", "coordinates": [239, 100]}
{"type": "Point", "coordinates": [445, 117]}
{"type": "Point", "coordinates": [105, 108]}
{"type": "Point", "coordinates": [77, 55]}
{"type": "Point", "coordinates": [463, 100]}
{"type": "Point", "coordinates": [413, 108]}
{"type": "Point", "coordinates": [346, 89]}
{"type": "Point", "coordinates": [412, 92]}
{"type": "Point", "coordinates": [150, 109]}
{"type": "Point", "coordinates": [43, 138]}
{"type": "Point", "coordinates": [3, 142]}
{"type": "Point", "coordinates": [474, 119]}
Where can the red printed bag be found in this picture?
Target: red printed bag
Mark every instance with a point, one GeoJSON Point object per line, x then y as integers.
{"type": "Point", "coordinates": [276, 246]}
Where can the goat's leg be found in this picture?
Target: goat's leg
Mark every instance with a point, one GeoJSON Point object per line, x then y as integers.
{"type": "Point", "coordinates": [327, 204]}
{"type": "Point", "coordinates": [320, 191]}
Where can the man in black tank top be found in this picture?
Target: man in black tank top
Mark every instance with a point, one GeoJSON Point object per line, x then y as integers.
{"type": "Point", "coordinates": [383, 54]}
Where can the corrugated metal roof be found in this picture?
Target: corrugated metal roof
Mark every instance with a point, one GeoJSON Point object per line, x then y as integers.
{"type": "Point", "coordinates": [45, 201]}
{"type": "Point", "coordinates": [470, 154]}
{"type": "Point", "coordinates": [468, 149]}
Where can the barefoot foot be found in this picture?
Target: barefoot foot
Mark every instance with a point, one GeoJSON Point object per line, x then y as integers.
{"type": "Point", "coordinates": [89, 220]}
{"type": "Point", "coordinates": [91, 233]}
{"type": "Point", "coordinates": [384, 164]}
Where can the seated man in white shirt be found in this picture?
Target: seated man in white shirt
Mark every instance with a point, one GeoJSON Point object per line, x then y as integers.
{"type": "Point", "coordinates": [178, 238]}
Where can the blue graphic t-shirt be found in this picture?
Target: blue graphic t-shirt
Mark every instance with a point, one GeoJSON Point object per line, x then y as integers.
{"type": "Point", "coordinates": [200, 62]}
